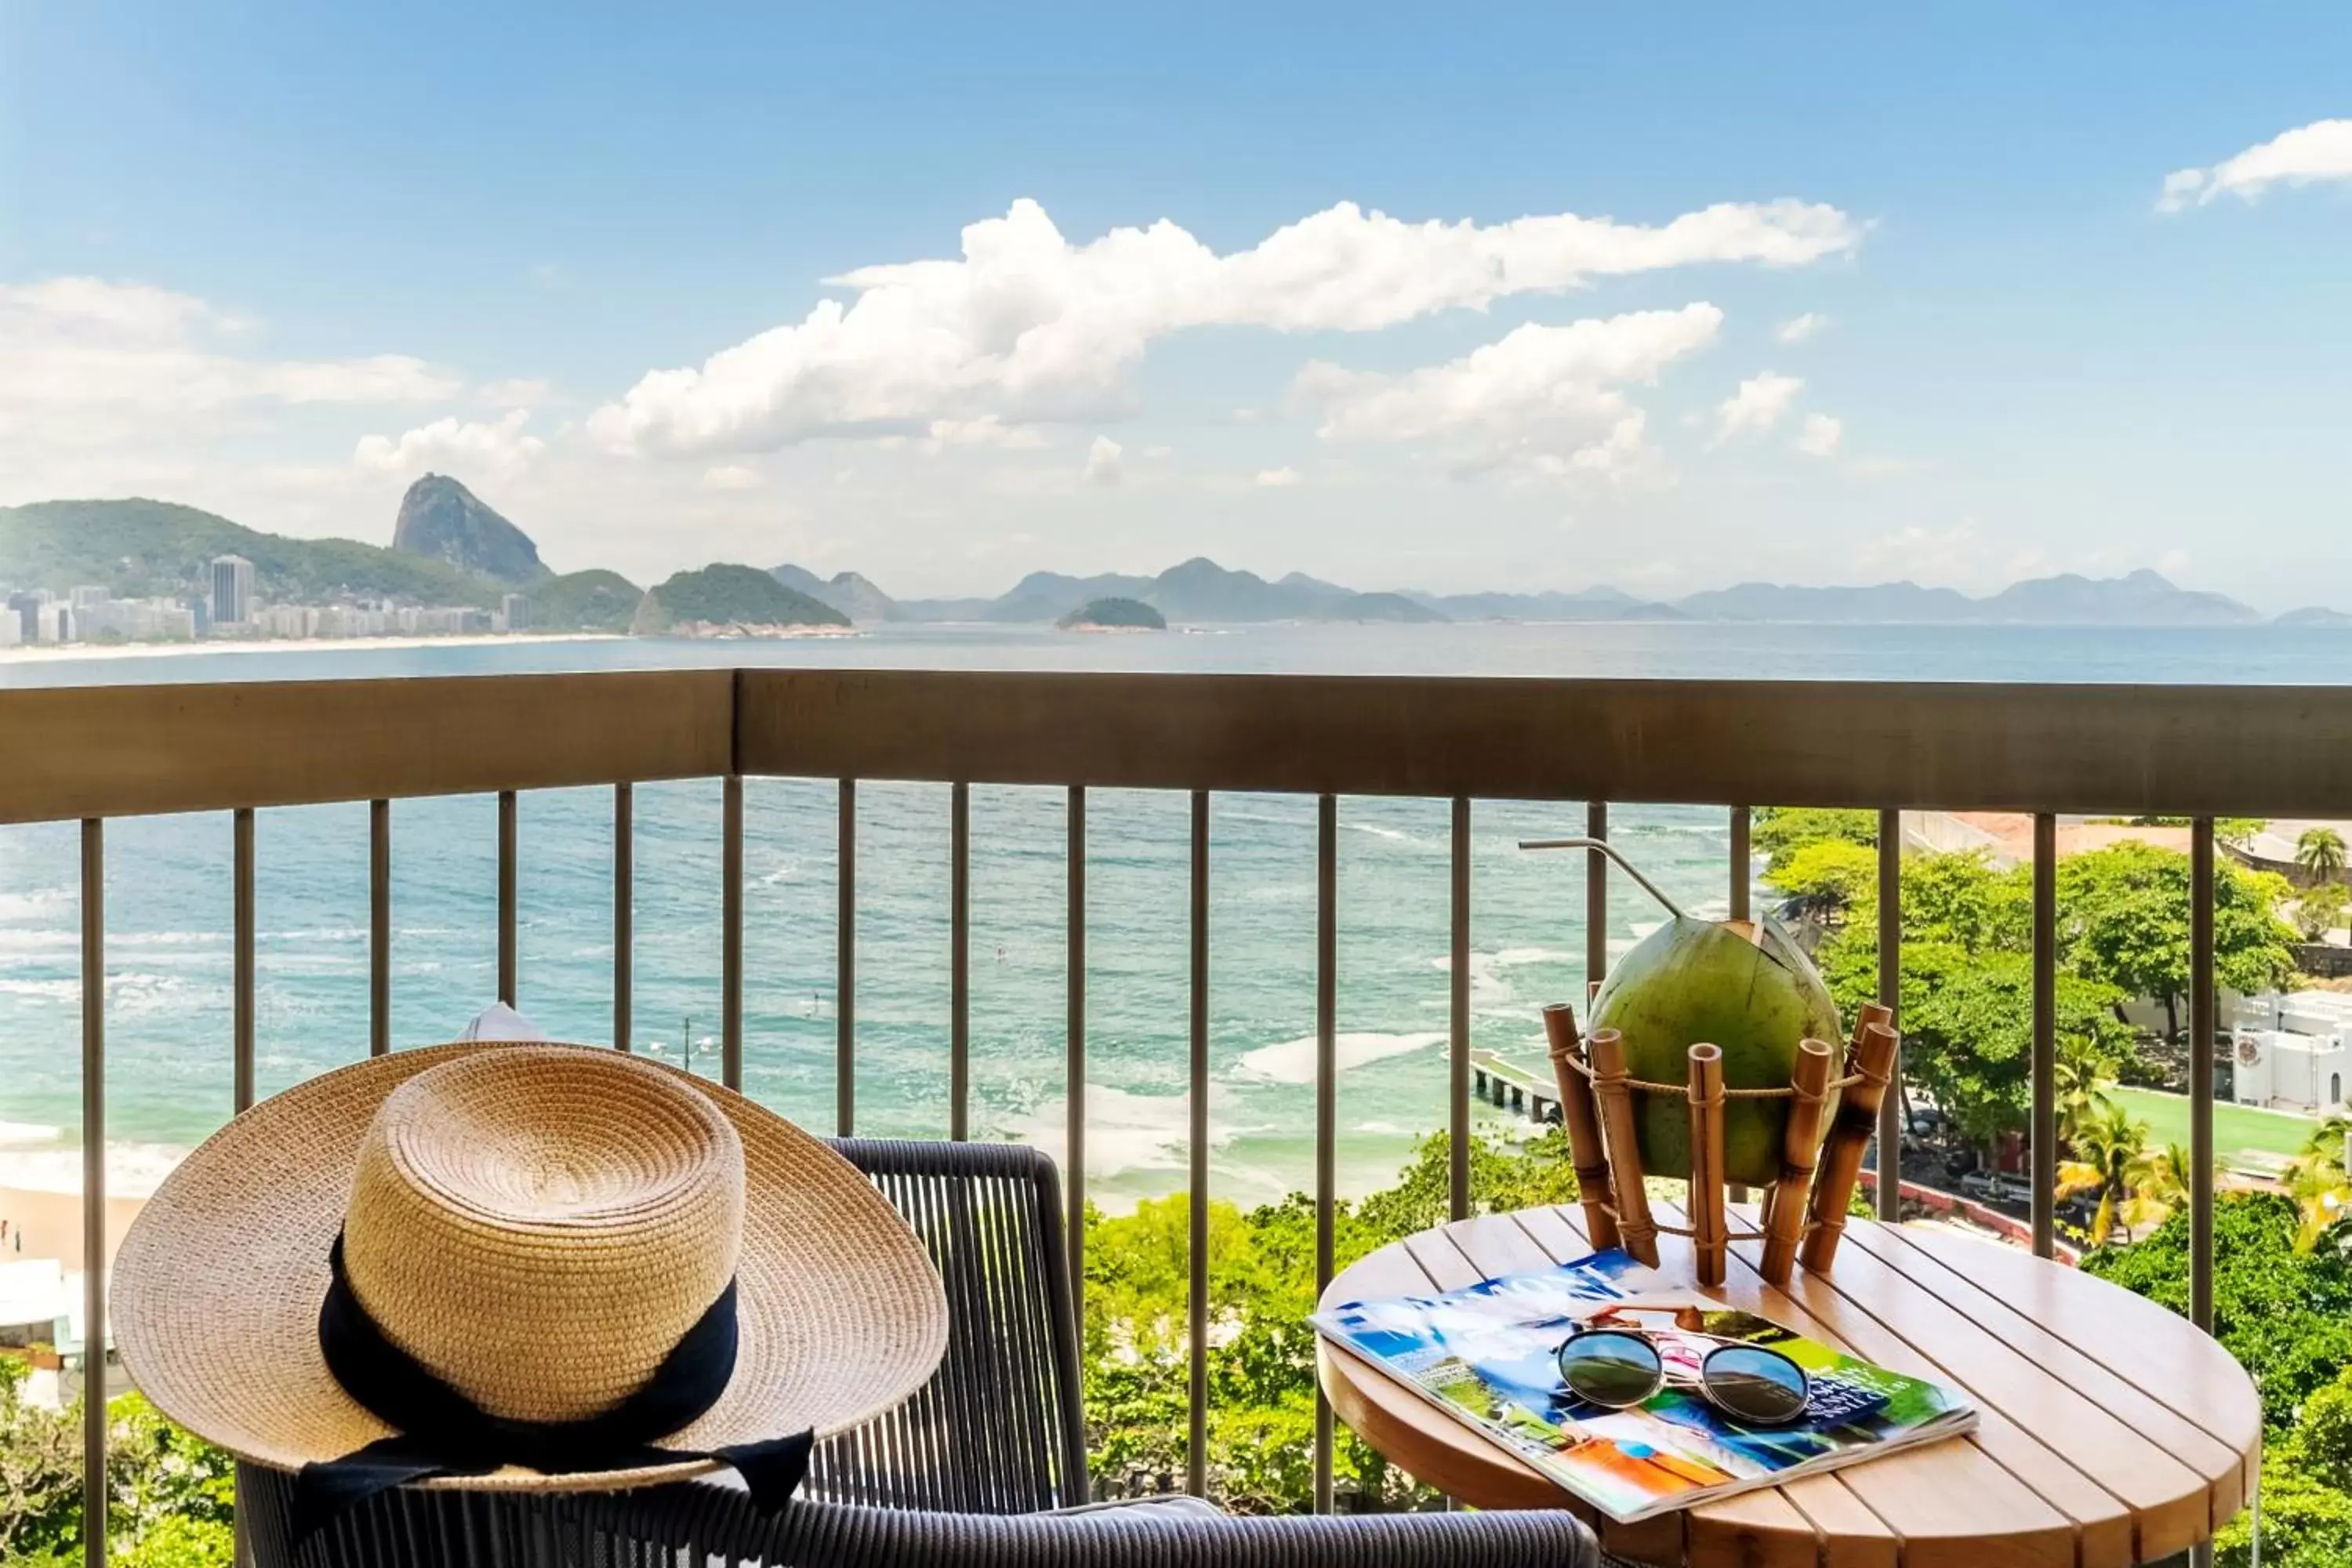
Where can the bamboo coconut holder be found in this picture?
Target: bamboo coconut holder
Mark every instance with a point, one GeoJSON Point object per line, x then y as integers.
{"type": "Point", "coordinates": [1803, 1212]}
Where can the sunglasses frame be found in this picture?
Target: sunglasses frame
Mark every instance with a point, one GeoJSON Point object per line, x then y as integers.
{"type": "Point", "coordinates": [1651, 1337]}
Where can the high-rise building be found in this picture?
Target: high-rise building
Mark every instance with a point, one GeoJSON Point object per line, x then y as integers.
{"type": "Point", "coordinates": [515, 613]}
{"type": "Point", "coordinates": [25, 609]}
{"type": "Point", "coordinates": [232, 590]}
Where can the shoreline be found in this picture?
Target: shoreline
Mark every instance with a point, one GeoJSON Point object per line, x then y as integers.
{"type": "Point", "coordinates": [52, 653]}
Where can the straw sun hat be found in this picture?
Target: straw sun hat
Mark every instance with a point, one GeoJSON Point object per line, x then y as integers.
{"type": "Point", "coordinates": [521, 1267]}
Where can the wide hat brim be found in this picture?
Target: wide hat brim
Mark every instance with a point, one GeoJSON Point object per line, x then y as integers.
{"type": "Point", "coordinates": [218, 1283]}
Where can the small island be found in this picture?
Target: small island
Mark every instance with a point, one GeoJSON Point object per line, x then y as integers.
{"type": "Point", "coordinates": [1113, 615]}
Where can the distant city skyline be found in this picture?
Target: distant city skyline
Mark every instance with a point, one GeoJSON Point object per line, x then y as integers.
{"type": "Point", "coordinates": [1559, 301]}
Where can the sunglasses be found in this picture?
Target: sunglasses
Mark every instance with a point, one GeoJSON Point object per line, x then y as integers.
{"type": "Point", "coordinates": [1619, 1367]}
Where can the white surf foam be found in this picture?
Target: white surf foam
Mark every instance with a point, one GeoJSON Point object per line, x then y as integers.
{"type": "Point", "coordinates": [1293, 1061]}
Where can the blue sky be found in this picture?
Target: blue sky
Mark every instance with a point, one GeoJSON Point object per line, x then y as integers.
{"type": "Point", "coordinates": [276, 261]}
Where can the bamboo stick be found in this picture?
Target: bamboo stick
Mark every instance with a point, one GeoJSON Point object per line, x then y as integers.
{"type": "Point", "coordinates": [1709, 1232]}
{"type": "Point", "coordinates": [1582, 1119]}
{"type": "Point", "coordinates": [1784, 1219]}
{"type": "Point", "coordinates": [1857, 1122]}
{"type": "Point", "coordinates": [1637, 1232]}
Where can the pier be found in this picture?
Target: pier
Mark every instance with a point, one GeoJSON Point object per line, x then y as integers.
{"type": "Point", "coordinates": [1514, 1088]}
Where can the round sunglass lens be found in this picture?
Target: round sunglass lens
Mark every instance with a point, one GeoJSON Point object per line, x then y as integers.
{"type": "Point", "coordinates": [1756, 1384]}
{"type": "Point", "coordinates": [1612, 1369]}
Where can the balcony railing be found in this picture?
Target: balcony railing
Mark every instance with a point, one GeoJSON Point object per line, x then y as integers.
{"type": "Point", "coordinates": [89, 754]}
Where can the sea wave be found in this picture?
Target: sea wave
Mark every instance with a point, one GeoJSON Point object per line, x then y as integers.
{"type": "Point", "coordinates": [1126, 1132]}
{"type": "Point", "coordinates": [1293, 1061]}
{"type": "Point", "coordinates": [133, 1170]}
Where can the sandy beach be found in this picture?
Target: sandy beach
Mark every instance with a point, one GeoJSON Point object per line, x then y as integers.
{"type": "Point", "coordinates": [59, 652]}
{"type": "Point", "coordinates": [42, 1224]}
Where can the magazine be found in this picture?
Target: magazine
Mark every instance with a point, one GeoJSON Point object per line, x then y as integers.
{"type": "Point", "coordinates": [1488, 1355]}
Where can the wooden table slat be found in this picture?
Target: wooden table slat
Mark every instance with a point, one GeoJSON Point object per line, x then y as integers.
{"type": "Point", "coordinates": [2168, 1495]}
{"type": "Point", "coordinates": [2125, 1336]}
{"type": "Point", "coordinates": [1936, 1498]}
{"type": "Point", "coordinates": [2104, 1523]}
{"type": "Point", "coordinates": [2144, 1421]}
{"type": "Point", "coordinates": [2158, 1427]}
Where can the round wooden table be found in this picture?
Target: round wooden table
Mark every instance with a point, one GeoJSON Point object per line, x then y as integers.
{"type": "Point", "coordinates": [2110, 1431]}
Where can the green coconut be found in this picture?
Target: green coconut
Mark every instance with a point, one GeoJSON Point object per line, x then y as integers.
{"type": "Point", "coordinates": [1742, 985]}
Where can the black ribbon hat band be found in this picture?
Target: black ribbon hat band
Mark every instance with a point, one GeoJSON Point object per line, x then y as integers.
{"type": "Point", "coordinates": [440, 1432]}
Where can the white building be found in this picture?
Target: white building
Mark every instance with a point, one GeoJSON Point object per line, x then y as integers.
{"type": "Point", "coordinates": [2289, 1050]}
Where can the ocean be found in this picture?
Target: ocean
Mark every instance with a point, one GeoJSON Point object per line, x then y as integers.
{"type": "Point", "coordinates": [169, 1000]}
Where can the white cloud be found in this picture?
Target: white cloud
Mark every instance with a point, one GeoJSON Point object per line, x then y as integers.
{"type": "Point", "coordinates": [1758, 406]}
{"type": "Point", "coordinates": [1277, 479]}
{"type": "Point", "coordinates": [1102, 462]}
{"type": "Point", "coordinates": [1534, 372]}
{"type": "Point", "coordinates": [515, 392]}
{"type": "Point", "coordinates": [1029, 326]}
{"type": "Point", "coordinates": [1543, 399]}
{"type": "Point", "coordinates": [987, 430]}
{"type": "Point", "coordinates": [732, 476]}
{"type": "Point", "coordinates": [86, 344]}
{"type": "Point", "coordinates": [1797, 328]}
{"type": "Point", "coordinates": [474, 446]}
{"type": "Point", "coordinates": [1820, 435]}
{"type": "Point", "coordinates": [2319, 151]}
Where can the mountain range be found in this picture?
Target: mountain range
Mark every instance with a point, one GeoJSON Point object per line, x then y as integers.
{"type": "Point", "coordinates": [449, 547]}
{"type": "Point", "coordinates": [1201, 592]}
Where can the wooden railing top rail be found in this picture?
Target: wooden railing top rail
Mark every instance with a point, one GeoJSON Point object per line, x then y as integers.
{"type": "Point", "coordinates": [129, 751]}
{"type": "Point", "coordinates": [2180, 750]}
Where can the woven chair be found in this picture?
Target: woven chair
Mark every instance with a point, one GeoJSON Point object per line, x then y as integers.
{"type": "Point", "coordinates": [961, 1476]}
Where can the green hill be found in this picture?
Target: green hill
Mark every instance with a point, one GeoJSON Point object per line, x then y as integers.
{"type": "Point", "coordinates": [594, 601]}
{"type": "Point", "coordinates": [723, 595]}
{"type": "Point", "coordinates": [1127, 615]}
{"type": "Point", "coordinates": [134, 548]}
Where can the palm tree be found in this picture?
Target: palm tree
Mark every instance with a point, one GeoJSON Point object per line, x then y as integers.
{"type": "Point", "coordinates": [2163, 1187]}
{"type": "Point", "coordinates": [2082, 1084]}
{"type": "Point", "coordinates": [2320, 853]}
{"type": "Point", "coordinates": [2110, 1159]}
{"type": "Point", "coordinates": [2317, 1180]}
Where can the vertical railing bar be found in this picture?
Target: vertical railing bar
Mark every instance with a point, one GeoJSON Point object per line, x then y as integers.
{"type": "Point", "coordinates": [1326, 1099]}
{"type": "Point", "coordinates": [1196, 1249]}
{"type": "Point", "coordinates": [509, 957]}
{"type": "Point", "coordinates": [379, 927]}
{"type": "Point", "coordinates": [1596, 895]}
{"type": "Point", "coordinates": [1074, 1144]}
{"type": "Point", "coordinates": [845, 984]}
{"type": "Point", "coordinates": [960, 962]}
{"type": "Point", "coordinates": [242, 914]}
{"type": "Point", "coordinates": [1742, 875]}
{"type": "Point", "coordinates": [730, 952]}
{"type": "Point", "coordinates": [241, 1078]}
{"type": "Point", "coordinates": [2200, 1072]}
{"type": "Point", "coordinates": [1743, 861]}
{"type": "Point", "coordinates": [1457, 1088]}
{"type": "Point", "coordinates": [2044, 1148]}
{"type": "Point", "coordinates": [625, 912]}
{"type": "Point", "coordinates": [1890, 993]}
{"type": "Point", "coordinates": [93, 1192]}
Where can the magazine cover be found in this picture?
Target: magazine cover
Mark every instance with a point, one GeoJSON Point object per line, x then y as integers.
{"type": "Point", "coordinates": [1488, 1355]}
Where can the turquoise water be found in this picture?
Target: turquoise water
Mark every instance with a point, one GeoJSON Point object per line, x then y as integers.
{"type": "Point", "coordinates": [168, 906]}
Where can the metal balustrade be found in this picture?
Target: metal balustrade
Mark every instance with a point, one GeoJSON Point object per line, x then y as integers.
{"type": "Point", "coordinates": [100, 753]}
